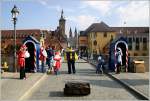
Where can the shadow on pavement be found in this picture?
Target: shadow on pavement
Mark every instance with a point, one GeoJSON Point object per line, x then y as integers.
{"type": "Point", "coordinates": [17, 78]}
{"type": "Point", "coordinates": [63, 72]}
{"type": "Point", "coordinates": [56, 94]}
{"type": "Point", "coordinates": [104, 83]}
{"type": "Point", "coordinates": [61, 94]}
{"type": "Point", "coordinates": [136, 81]}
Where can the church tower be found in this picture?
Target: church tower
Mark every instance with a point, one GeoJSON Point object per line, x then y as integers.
{"type": "Point", "coordinates": [75, 33]}
{"type": "Point", "coordinates": [70, 33]}
{"type": "Point", "coordinates": [62, 22]}
{"type": "Point", "coordinates": [76, 38]}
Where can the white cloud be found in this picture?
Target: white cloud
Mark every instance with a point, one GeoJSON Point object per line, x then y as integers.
{"type": "Point", "coordinates": [136, 13]}
{"type": "Point", "coordinates": [83, 21]}
{"type": "Point", "coordinates": [57, 7]}
{"type": "Point", "coordinates": [44, 3]}
{"type": "Point", "coordinates": [102, 6]}
{"type": "Point", "coordinates": [47, 4]}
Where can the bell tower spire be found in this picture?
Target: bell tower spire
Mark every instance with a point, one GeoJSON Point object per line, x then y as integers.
{"type": "Point", "coordinates": [70, 33]}
{"type": "Point", "coordinates": [62, 13]}
{"type": "Point", "coordinates": [62, 22]}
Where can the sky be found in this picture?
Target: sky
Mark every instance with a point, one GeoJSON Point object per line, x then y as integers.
{"type": "Point", "coordinates": [80, 14]}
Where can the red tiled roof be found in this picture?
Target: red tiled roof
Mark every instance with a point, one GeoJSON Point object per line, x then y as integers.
{"type": "Point", "coordinates": [102, 27]}
{"type": "Point", "coordinates": [20, 33]}
{"type": "Point", "coordinates": [98, 27]}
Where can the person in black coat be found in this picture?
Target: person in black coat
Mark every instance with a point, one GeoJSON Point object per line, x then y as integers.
{"type": "Point", "coordinates": [71, 57]}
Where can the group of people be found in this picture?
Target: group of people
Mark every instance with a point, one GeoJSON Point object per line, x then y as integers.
{"type": "Point", "coordinates": [101, 62]}
{"type": "Point", "coordinates": [53, 60]}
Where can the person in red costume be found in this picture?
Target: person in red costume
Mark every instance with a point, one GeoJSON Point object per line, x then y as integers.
{"type": "Point", "coordinates": [22, 54]}
{"type": "Point", "coordinates": [57, 61]}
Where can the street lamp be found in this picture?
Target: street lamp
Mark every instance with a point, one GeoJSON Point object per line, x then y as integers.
{"type": "Point", "coordinates": [15, 13]}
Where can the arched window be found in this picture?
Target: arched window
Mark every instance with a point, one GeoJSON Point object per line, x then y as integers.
{"type": "Point", "coordinates": [145, 43]}
{"type": "Point", "coordinates": [105, 34]}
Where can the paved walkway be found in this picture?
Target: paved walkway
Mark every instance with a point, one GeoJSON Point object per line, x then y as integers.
{"type": "Point", "coordinates": [138, 81]}
{"type": "Point", "coordinates": [51, 87]}
{"type": "Point", "coordinates": [12, 88]}
{"type": "Point", "coordinates": [102, 87]}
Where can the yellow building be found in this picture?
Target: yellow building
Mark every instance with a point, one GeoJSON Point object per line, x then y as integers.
{"type": "Point", "coordinates": [99, 36]}
{"type": "Point", "coordinates": [98, 40]}
{"type": "Point", "coordinates": [95, 38]}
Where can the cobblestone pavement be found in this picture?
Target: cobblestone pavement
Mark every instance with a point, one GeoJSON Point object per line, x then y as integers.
{"type": "Point", "coordinates": [102, 87]}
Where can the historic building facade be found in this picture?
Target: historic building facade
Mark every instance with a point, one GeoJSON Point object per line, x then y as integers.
{"type": "Point", "coordinates": [98, 36]}
{"type": "Point", "coordinates": [138, 39]}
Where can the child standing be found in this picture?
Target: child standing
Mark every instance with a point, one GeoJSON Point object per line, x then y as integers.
{"type": "Point", "coordinates": [57, 60]}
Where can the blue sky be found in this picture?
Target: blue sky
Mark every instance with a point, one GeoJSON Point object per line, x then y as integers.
{"type": "Point", "coordinates": [44, 14]}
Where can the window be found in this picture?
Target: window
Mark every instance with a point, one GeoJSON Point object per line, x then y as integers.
{"type": "Point", "coordinates": [120, 31]}
{"type": "Point", "coordinates": [135, 54]}
{"type": "Point", "coordinates": [91, 35]}
{"type": "Point", "coordinates": [105, 34]}
{"type": "Point", "coordinates": [144, 43]}
{"type": "Point", "coordinates": [111, 38]}
{"type": "Point", "coordinates": [130, 43]}
{"type": "Point", "coordinates": [128, 54]}
{"type": "Point", "coordinates": [95, 35]}
{"type": "Point", "coordinates": [137, 46]}
{"type": "Point", "coordinates": [94, 52]}
{"type": "Point", "coordinates": [144, 54]}
{"type": "Point", "coordinates": [141, 39]}
{"type": "Point", "coordinates": [43, 35]}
